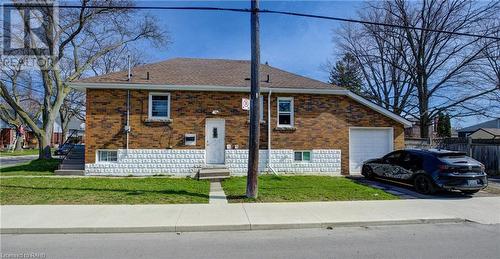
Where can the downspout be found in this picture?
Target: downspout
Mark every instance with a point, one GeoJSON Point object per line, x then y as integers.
{"type": "Point", "coordinates": [127, 127]}
{"type": "Point", "coordinates": [269, 133]}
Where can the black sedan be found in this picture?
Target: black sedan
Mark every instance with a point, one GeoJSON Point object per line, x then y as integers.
{"type": "Point", "coordinates": [429, 170]}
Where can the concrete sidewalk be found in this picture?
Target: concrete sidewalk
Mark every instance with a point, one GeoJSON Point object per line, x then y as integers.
{"type": "Point", "coordinates": [249, 216]}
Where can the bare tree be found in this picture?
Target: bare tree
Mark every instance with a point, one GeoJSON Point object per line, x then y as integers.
{"type": "Point", "coordinates": [80, 38]}
{"type": "Point", "coordinates": [438, 63]}
{"type": "Point", "coordinates": [438, 70]}
{"type": "Point", "coordinates": [385, 79]}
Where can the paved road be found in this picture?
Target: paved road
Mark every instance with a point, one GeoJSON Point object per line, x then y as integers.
{"type": "Point", "coordinates": [466, 240]}
{"type": "Point", "coordinates": [7, 161]}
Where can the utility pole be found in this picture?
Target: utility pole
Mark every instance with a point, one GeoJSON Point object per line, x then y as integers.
{"type": "Point", "coordinates": [254, 134]}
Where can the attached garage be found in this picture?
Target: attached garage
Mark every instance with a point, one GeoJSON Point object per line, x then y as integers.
{"type": "Point", "coordinates": [368, 143]}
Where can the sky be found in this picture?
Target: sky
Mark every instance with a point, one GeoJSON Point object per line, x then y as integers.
{"type": "Point", "coordinates": [299, 45]}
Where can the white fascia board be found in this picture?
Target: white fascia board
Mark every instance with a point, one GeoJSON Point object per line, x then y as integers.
{"type": "Point", "coordinates": [215, 88]}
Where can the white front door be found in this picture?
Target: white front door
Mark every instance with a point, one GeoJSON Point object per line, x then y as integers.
{"type": "Point", "coordinates": [368, 143]}
{"type": "Point", "coordinates": [214, 141]}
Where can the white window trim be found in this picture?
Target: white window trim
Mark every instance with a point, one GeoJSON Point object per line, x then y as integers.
{"type": "Point", "coordinates": [302, 152]}
{"type": "Point", "coordinates": [105, 162]}
{"type": "Point", "coordinates": [292, 120]}
{"type": "Point", "coordinates": [150, 106]}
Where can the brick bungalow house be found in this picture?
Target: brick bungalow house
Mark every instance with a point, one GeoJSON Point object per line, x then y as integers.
{"type": "Point", "coordinates": [177, 116]}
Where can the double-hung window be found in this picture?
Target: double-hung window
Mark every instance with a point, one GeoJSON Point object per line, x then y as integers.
{"type": "Point", "coordinates": [285, 112]}
{"type": "Point", "coordinates": [106, 156]}
{"type": "Point", "coordinates": [159, 106]}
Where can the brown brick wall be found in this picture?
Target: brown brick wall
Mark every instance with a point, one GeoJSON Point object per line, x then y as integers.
{"type": "Point", "coordinates": [321, 121]}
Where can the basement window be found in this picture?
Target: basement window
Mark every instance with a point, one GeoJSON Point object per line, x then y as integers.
{"type": "Point", "coordinates": [285, 112]}
{"type": "Point", "coordinates": [107, 156]}
{"type": "Point", "coordinates": [302, 156]}
{"type": "Point", "coordinates": [159, 106]}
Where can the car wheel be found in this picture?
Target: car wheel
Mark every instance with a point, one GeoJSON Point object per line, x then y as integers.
{"type": "Point", "coordinates": [367, 172]}
{"type": "Point", "coordinates": [469, 192]}
{"type": "Point", "coordinates": [423, 184]}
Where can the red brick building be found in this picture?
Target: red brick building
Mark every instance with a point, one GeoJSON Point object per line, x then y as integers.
{"type": "Point", "coordinates": [176, 116]}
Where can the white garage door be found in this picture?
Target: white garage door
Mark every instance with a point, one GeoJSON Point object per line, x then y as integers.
{"type": "Point", "coordinates": [368, 143]}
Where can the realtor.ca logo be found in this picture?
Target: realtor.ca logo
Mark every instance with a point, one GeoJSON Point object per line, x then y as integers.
{"type": "Point", "coordinates": [28, 34]}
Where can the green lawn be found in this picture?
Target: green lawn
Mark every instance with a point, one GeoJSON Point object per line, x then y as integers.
{"type": "Point", "coordinates": [23, 152]}
{"type": "Point", "coordinates": [92, 190]}
{"type": "Point", "coordinates": [35, 167]}
{"type": "Point", "coordinates": [302, 188]}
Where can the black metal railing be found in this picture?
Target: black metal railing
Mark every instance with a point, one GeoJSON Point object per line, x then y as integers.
{"type": "Point", "coordinates": [71, 148]}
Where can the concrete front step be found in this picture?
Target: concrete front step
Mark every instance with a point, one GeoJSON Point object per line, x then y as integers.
{"type": "Point", "coordinates": [69, 172]}
{"type": "Point", "coordinates": [214, 166]}
{"type": "Point", "coordinates": [205, 175]}
{"type": "Point", "coordinates": [211, 173]}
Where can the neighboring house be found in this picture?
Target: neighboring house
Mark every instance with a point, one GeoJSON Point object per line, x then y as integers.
{"type": "Point", "coordinates": [414, 130]}
{"type": "Point", "coordinates": [55, 140]}
{"type": "Point", "coordinates": [486, 133]}
{"type": "Point", "coordinates": [7, 135]}
{"type": "Point", "coordinates": [492, 124]}
{"type": "Point", "coordinates": [185, 114]}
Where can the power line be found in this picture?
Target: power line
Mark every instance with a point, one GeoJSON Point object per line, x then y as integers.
{"type": "Point", "coordinates": [37, 90]}
{"type": "Point", "coordinates": [24, 86]}
{"type": "Point", "coordinates": [379, 24]}
{"type": "Point", "coordinates": [245, 10]}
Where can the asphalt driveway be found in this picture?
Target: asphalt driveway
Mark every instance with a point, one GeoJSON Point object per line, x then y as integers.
{"type": "Point", "coordinates": [407, 192]}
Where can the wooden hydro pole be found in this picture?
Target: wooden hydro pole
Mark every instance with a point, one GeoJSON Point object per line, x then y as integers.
{"type": "Point", "coordinates": [254, 134]}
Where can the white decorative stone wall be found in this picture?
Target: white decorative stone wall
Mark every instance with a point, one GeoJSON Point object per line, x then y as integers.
{"type": "Point", "coordinates": [323, 161]}
{"type": "Point", "coordinates": [144, 162]}
{"type": "Point", "coordinates": [186, 162]}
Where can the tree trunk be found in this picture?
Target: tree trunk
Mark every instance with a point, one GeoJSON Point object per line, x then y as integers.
{"type": "Point", "coordinates": [424, 126]}
{"type": "Point", "coordinates": [44, 145]}
{"type": "Point", "coordinates": [19, 141]}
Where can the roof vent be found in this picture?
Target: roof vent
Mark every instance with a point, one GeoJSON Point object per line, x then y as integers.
{"type": "Point", "coordinates": [268, 80]}
{"type": "Point", "coordinates": [147, 75]}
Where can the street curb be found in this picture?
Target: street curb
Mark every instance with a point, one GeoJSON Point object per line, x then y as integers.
{"type": "Point", "coordinates": [14, 157]}
{"type": "Point", "coordinates": [242, 227]}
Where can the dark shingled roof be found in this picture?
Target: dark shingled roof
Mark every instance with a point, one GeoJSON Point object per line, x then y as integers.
{"type": "Point", "coordinates": [220, 72]}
